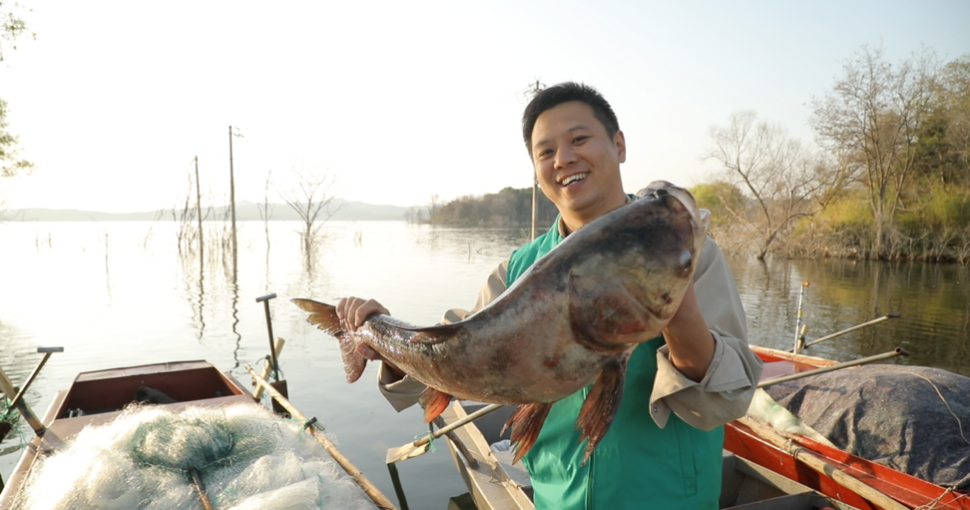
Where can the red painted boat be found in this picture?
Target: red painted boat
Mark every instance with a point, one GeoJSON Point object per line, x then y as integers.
{"type": "Point", "coordinates": [908, 490]}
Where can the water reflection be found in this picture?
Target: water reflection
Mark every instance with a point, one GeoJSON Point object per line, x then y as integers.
{"type": "Point", "coordinates": [934, 301]}
{"type": "Point", "coordinates": [148, 303]}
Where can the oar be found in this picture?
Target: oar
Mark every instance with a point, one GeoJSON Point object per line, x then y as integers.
{"type": "Point", "coordinates": [886, 355]}
{"type": "Point", "coordinates": [419, 447]}
{"type": "Point", "coordinates": [368, 487]}
{"type": "Point", "coordinates": [853, 328]}
{"type": "Point", "coordinates": [816, 462]}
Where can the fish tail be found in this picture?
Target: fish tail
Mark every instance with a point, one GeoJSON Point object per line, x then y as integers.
{"type": "Point", "coordinates": [526, 422]}
{"type": "Point", "coordinates": [324, 317]}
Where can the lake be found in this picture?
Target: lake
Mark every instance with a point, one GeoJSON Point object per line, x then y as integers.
{"type": "Point", "coordinates": [120, 293]}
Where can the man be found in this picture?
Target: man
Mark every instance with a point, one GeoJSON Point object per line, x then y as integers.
{"type": "Point", "coordinates": [663, 449]}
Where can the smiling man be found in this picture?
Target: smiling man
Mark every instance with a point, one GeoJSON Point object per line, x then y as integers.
{"type": "Point", "coordinates": [663, 449]}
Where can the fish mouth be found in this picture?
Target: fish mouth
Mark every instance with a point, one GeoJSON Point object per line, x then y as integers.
{"type": "Point", "coordinates": [566, 181]}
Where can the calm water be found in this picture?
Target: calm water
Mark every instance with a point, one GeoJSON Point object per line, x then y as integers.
{"type": "Point", "coordinates": [115, 294]}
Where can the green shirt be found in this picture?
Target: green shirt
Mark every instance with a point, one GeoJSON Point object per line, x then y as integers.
{"type": "Point", "coordinates": [637, 465]}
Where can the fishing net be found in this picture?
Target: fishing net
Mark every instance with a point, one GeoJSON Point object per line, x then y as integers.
{"type": "Point", "coordinates": [913, 419]}
{"type": "Point", "coordinates": [247, 458]}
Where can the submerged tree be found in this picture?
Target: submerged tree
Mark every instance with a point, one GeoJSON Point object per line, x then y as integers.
{"type": "Point", "coordinates": [312, 199]}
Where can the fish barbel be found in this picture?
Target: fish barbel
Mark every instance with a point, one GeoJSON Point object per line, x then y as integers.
{"type": "Point", "coordinates": [573, 318]}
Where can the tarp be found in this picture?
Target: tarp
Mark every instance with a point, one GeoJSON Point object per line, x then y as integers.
{"type": "Point", "coordinates": [913, 419]}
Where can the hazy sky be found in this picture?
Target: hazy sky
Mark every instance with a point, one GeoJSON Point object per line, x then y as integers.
{"type": "Point", "coordinates": [402, 100]}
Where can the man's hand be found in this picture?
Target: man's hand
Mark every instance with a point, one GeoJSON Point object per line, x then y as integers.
{"type": "Point", "coordinates": [691, 344]}
{"type": "Point", "coordinates": [352, 312]}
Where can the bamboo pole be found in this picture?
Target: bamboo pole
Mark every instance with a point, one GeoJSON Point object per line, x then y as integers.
{"type": "Point", "coordinates": [816, 462]}
{"type": "Point", "coordinates": [372, 491]}
{"type": "Point", "coordinates": [267, 367]}
{"type": "Point", "coordinates": [853, 328]}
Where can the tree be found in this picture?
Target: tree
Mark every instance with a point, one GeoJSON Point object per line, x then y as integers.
{"type": "Point", "coordinates": [12, 25]}
{"type": "Point", "coordinates": [312, 199]}
{"type": "Point", "coordinates": [872, 117]}
{"type": "Point", "coordinates": [781, 177]}
{"type": "Point", "coordinates": [10, 162]}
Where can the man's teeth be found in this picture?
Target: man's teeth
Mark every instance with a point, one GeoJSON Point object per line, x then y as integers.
{"type": "Point", "coordinates": [573, 178]}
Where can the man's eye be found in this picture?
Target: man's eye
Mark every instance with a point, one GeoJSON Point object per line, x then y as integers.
{"type": "Point", "coordinates": [580, 139]}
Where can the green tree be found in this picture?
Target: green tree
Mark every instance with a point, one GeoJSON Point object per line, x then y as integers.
{"type": "Point", "coordinates": [12, 25]}
{"type": "Point", "coordinates": [10, 162]}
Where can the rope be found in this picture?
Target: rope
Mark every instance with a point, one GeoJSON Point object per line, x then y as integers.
{"type": "Point", "coordinates": [947, 404]}
{"type": "Point", "coordinates": [430, 440]}
{"type": "Point", "coordinates": [932, 504]}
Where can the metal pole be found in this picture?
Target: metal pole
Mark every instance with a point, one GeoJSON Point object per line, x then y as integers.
{"type": "Point", "coordinates": [198, 208]}
{"type": "Point", "coordinates": [269, 327]}
{"type": "Point", "coordinates": [232, 196]}
{"type": "Point", "coordinates": [891, 354]}
{"type": "Point", "coordinates": [535, 204]}
{"type": "Point", "coordinates": [798, 320]}
{"type": "Point", "coordinates": [23, 389]}
{"type": "Point", "coordinates": [853, 328]}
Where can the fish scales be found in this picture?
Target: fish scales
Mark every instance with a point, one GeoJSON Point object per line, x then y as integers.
{"type": "Point", "coordinates": [570, 320]}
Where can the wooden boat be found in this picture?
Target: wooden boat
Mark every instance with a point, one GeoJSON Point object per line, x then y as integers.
{"type": "Point", "coordinates": [749, 459]}
{"type": "Point", "coordinates": [909, 491]}
{"type": "Point", "coordinates": [97, 398]}
{"type": "Point", "coordinates": [494, 483]}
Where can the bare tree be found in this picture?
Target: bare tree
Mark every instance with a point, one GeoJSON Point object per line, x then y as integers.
{"type": "Point", "coordinates": [311, 198]}
{"type": "Point", "coordinates": [872, 117]}
{"type": "Point", "coordinates": [780, 175]}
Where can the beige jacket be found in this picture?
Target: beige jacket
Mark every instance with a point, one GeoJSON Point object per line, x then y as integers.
{"type": "Point", "coordinates": [721, 396]}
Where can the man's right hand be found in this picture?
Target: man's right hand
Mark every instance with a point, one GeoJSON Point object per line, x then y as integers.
{"type": "Point", "coordinates": [352, 312]}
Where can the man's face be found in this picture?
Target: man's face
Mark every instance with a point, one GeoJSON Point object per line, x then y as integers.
{"type": "Point", "coordinates": [577, 163]}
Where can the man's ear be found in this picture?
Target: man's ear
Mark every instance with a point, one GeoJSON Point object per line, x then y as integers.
{"type": "Point", "coordinates": [619, 141]}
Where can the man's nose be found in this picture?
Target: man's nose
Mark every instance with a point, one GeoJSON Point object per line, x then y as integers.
{"type": "Point", "coordinates": [564, 157]}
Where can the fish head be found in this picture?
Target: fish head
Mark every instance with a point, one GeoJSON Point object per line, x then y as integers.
{"type": "Point", "coordinates": [701, 218]}
{"type": "Point", "coordinates": [633, 268]}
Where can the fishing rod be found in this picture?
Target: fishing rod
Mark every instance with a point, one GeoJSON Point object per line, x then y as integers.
{"type": "Point", "coordinates": [853, 328]}
{"type": "Point", "coordinates": [886, 355]}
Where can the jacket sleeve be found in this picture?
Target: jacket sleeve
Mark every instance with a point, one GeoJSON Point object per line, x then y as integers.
{"type": "Point", "coordinates": [728, 386]}
{"type": "Point", "coordinates": [404, 393]}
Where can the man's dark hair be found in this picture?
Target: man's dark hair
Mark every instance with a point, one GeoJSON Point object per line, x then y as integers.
{"type": "Point", "coordinates": [563, 93]}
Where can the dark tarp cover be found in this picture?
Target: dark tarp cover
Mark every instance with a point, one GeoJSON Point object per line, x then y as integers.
{"type": "Point", "coordinates": [895, 415]}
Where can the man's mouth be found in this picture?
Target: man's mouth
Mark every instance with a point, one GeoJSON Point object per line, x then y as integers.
{"type": "Point", "coordinates": [573, 178]}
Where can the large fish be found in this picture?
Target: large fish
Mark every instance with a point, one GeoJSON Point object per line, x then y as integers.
{"type": "Point", "coordinates": [572, 319]}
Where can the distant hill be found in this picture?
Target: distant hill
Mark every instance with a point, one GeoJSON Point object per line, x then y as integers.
{"type": "Point", "coordinates": [245, 211]}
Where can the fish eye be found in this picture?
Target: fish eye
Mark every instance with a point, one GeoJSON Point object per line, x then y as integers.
{"type": "Point", "coordinates": [686, 259]}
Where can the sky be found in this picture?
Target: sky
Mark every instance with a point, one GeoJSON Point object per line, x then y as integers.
{"type": "Point", "coordinates": [400, 101]}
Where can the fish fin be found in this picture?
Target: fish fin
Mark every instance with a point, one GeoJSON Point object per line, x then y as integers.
{"type": "Point", "coordinates": [606, 314]}
{"type": "Point", "coordinates": [601, 404]}
{"type": "Point", "coordinates": [526, 422]}
{"type": "Point", "coordinates": [324, 317]}
{"type": "Point", "coordinates": [354, 363]}
{"type": "Point", "coordinates": [433, 335]}
{"type": "Point", "coordinates": [433, 402]}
